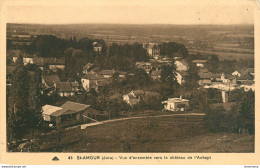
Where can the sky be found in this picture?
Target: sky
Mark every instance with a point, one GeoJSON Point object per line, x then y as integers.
{"type": "Point", "coordinates": [130, 12]}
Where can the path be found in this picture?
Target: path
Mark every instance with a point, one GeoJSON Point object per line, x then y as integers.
{"type": "Point", "coordinates": [84, 126]}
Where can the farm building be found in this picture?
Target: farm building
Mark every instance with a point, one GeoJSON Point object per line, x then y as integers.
{"type": "Point", "coordinates": [70, 113]}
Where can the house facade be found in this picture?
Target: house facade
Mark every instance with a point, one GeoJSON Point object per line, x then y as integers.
{"type": "Point", "coordinates": [134, 97]}
{"type": "Point", "coordinates": [66, 89]}
{"type": "Point", "coordinates": [175, 104]}
{"type": "Point", "coordinates": [94, 81]}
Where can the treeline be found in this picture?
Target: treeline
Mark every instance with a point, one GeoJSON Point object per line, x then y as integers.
{"type": "Point", "coordinates": [173, 49]}
{"type": "Point", "coordinates": [23, 102]}
{"type": "Point", "coordinates": [240, 119]}
{"type": "Point", "coordinates": [123, 57]}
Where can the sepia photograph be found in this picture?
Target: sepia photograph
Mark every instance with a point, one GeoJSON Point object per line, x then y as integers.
{"type": "Point", "coordinates": [112, 77]}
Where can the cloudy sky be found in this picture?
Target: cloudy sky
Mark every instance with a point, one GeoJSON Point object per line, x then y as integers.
{"type": "Point", "coordinates": [130, 12]}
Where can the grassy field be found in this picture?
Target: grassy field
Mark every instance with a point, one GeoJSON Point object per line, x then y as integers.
{"type": "Point", "coordinates": [162, 134]}
{"type": "Point", "coordinates": [226, 55]}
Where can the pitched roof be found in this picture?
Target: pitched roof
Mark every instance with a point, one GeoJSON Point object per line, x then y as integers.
{"type": "Point", "coordinates": [63, 86]}
{"type": "Point", "coordinates": [103, 82]}
{"type": "Point", "coordinates": [49, 109]}
{"type": "Point", "coordinates": [67, 108]}
{"type": "Point", "coordinates": [250, 70]}
{"type": "Point", "coordinates": [93, 76]}
{"type": "Point", "coordinates": [107, 72]}
{"type": "Point", "coordinates": [199, 61]}
{"type": "Point", "coordinates": [74, 106]}
{"type": "Point", "coordinates": [138, 92]}
{"type": "Point", "coordinates": [50, 79]}
{"type": "Point", "coordinates": [156, 73]}
{"type": "Point", "coordinates": [246, 76]}
{"type": "Point", "coordinates": [88, 66]}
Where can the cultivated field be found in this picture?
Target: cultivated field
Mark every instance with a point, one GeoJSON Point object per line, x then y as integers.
{"type": "Point", "coordinates": [158, 134]}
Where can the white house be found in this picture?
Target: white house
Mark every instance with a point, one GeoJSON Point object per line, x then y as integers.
{"type": "Point", "coordinates": [134, 97]}
{"type": "Point", "coordinates": [175, 104]}
{"type": "Point", "coordinates": [181, 65]}
{"type": "Point", "coordinates": [236, 73]}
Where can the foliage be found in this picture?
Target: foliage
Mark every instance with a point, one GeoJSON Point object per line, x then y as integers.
{"type": "Point", "coordinates": [214, 118]}
{"type": "Point", "coordinates": [18, 100]}
{"type": "Point", "coordinates": [173, 49]}
{"type": "Point", "coordinates": [212, 64]}
{"type": "Point", "coordinates": [168, 75]}
{"type": "Point", "coordinates": [191, 80]}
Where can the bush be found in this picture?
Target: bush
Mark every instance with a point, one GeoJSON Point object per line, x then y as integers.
{"type": "Point", "coordinates": [214, 119]}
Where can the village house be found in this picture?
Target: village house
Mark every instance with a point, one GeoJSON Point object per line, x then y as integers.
{"type": "Point", "coordinates": [122, 75]}
{"type": "Point", "coordinates": [94, 81]}
{"type": "Point", "coordinates": [66, 89]}
{"type": "Point", "coordinates": [229, 78]}
{"type": "Point", "coordinates": [134, 97]}
{"type": "Point", "coordinates": [175, 104]}
{"type": "Point", "coordinates": [147, 66]}
{"type": "Point", "coordinates": [27, 59]}
{"type": "Point", "coordinates": [181, 65]}
{"type": "Point", "coordinates": [180, 76]}
{"type": "Point", "coordinates": [156, 74]}
{"type": "Point", "coordinates": [246, 77]}
{"type": "Point", "coordinates": [53, 63]}
{"type": "Point", "coordinates": [97, 47]}
{"type": "Point", "coordinates": [236, 73]}
{"type": "Point", "coordinates": [205, 77]}
{"type": "Point", "coordinates": [47, 85]}
{"type": "Point", "coordinates": [199, 63]}
{"type": "Point", "coordinates": [70, 113]}
{"type": "Point", "coordinates": [49, 80]}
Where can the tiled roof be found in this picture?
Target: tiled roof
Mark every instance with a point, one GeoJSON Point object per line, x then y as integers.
{"type": "Point", "coordinates": [49, 109]}
{"type": "Point", "coordinates": [50, 79]}
{"type": "Point", "coordinates": [50, 61]}
{"type": "Point", "coordinates": [63, 86]}
{"type": "Point", "coordinates": [138, 92]}
{"type": "Point", "coordinates": [74, 106]}
{"type": "Point", "coordinates": [93, 76]}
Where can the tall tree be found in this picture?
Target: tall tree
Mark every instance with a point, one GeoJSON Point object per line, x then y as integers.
{"type": "Point", "coordinates": [213, 64]}
{"type": "Point", "coordinates": [18, 110]}
{"type": "Point", "coordinates": [169, 76]}
{"type": "Point", "coordinates": [191, 80]}
{"type": "Point", "coordinates": [34, 100]}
